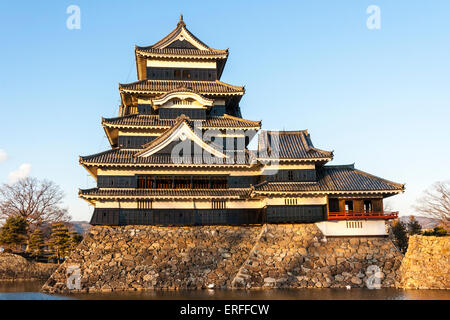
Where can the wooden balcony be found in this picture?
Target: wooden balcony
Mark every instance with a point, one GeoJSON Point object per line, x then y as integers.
{"type": "Point", "coordinates": [363, 215]}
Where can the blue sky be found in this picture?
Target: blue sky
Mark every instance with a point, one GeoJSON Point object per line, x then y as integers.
{"type": "Point", "coordinates": [379, 98]}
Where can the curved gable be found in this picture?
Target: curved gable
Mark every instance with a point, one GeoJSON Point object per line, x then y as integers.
{"type": "Point", "coordinates": [182, 94]}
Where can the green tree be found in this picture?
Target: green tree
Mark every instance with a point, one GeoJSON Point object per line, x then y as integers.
{"type": "Point", "coordinates": [36, 244]}
{"type": "Point", "coordinates": [437, 232]}
{"type": "Point", "coordinates": [13, 232]}
{"type": "Point", "coordinates": [414, 226]}
{"type": "Point", "coordinates": [59, 242]}
{"type": "Point", "coordinates": [440, 231]}
{"type": "Point", "coordinates": [75, 239]}
{"type": "Point", "coordinates": [400, 235]}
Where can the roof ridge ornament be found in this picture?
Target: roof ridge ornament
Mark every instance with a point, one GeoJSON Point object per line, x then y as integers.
{"type": "Point", "coordinates": [181, 22]}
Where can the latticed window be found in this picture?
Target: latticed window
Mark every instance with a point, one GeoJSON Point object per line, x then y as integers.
{"type": "Point", "coordinates": [182, 102]}
{"type": "Point", "coordinates": [164, 183]}
{"type": "Point", "coordinates": [218, 182]}
{"type": "Point", "coordinates": [145, 182]}
{"type": "Point", "coordinates": [354, 224]}
{"type": "Point", "coordinates": [290, 201]}
{"type": "Point", "coordinates": [186, 74]}
{"type": "Point", "coordinates": [182, 183]}
{"type": "Point", "coordinates": [200, 183]}
{"type": "Point", "coordinates": [144, 204]}
{"type": "Point", "coordinates": [219, 204]}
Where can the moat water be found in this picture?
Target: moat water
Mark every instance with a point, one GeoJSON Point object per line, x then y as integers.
{"type": "Point", "coordinates": [29, 290]}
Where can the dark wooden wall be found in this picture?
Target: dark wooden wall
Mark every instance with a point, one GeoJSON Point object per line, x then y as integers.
{"type": "Point", "coordinates": [134, 142]}
{"type": "Point", "coordinates": [191, 74]}
{"type": "Point", "coordinates": [217, 111]}
{"type": "Point", "coordinates": [116, 182]}
{"type": "Point", "coordinates": [204, 182]}
{"type": "Point", "coordinates": [188, 217]}
{"type": "Point", "coordinates": [304, 175]}
{"type": "Point", "coordinates": [296, 214]}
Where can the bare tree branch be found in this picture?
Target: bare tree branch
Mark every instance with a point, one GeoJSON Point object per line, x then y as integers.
{"type": "Point", "coordinates": [37, 201]}
{"type": "Point", "coordinates": [436, 203]}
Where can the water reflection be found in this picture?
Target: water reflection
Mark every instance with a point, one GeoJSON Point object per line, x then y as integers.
{"type": "Point", "coordinates": [29, 290]}
{"type": "Point", "coordinates": [279, 294]}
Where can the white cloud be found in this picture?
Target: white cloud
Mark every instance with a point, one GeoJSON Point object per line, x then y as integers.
{"type": "Point", "coordinates": [23, 172]}
{"type": "Point", "coordinates": [3, 156]}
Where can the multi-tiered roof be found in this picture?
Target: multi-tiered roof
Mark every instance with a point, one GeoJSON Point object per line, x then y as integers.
{"type": "Point", "coordinates": [178, 98]}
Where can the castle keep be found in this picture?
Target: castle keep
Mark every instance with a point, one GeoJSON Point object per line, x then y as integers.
{"type": "Point", "coordinates": [179, 156]}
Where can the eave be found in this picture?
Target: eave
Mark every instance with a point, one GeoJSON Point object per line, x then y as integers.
{"type": "Point", "coordinates": [219, 55]}
{"type": "Point", "coordinates": [168, 165]}
{"type": "Point", "coordinates": [254, 125]}
{"type": "Point", "coordinates": [280, 160]}
{"type": "Point", "coordinates": [235, 90]}
{"type": "Point", "coordinates": [129, 126]}
{"type": "Point", "coordinates": [129, 194]}
{"type": "Point", "coordinates": [108, 133]}
{"type": "Point", "coordinates": [330, 192]}
{"type": "Point", "coordinates": [91, 169]}
{"type": "Point", "coordinates": [91, 199]}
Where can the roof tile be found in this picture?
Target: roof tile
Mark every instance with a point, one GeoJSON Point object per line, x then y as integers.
{"type": "Point", "coordinates": [181, 52]}
{"type": "Point", "coordinates": [289, 145]}
{"type": "Point", "coordinates": [127, 157]}
{"type": "Point", "coordinates": [158, 193]}
{"type": "Point", "coordinates": [202, 87]}
{"type": "Point", "coordinates": [143, 120]}
{"type": "Point", "coordinates": [334, 178]}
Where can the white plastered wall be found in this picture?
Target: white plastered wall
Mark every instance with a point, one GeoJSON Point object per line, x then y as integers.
{"type": "Point", "coordinates": [353, 228]}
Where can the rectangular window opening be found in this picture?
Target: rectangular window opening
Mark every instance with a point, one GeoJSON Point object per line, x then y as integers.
{"type": "Point", "coordinates": [349, 206]}
{"type": "Point", "coordinates": [367, 205]}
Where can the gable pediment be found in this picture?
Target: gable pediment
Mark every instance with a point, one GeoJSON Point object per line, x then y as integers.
{"type": "Point", "coordinates": [179, 44]}
{"type": "Point", "coordinates": [181, 37]}
{"type": "Point", "coordinates": [181, 137]}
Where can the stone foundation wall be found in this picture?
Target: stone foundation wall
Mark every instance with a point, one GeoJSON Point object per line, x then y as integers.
{"type": "Point", "coordinates": [426, 264]}
{"type": "Point", "coordinates": [288, 256]}
{"type": "Point", "coordinates": [148, 257]}
{"type": "Point", "coordinates": [298, 256]}
{"type": "Point", "coordinates": [15, 267]}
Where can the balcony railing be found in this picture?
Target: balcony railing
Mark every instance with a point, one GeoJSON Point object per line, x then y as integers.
{"type": "Point", "coordinates": [363, 215]}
